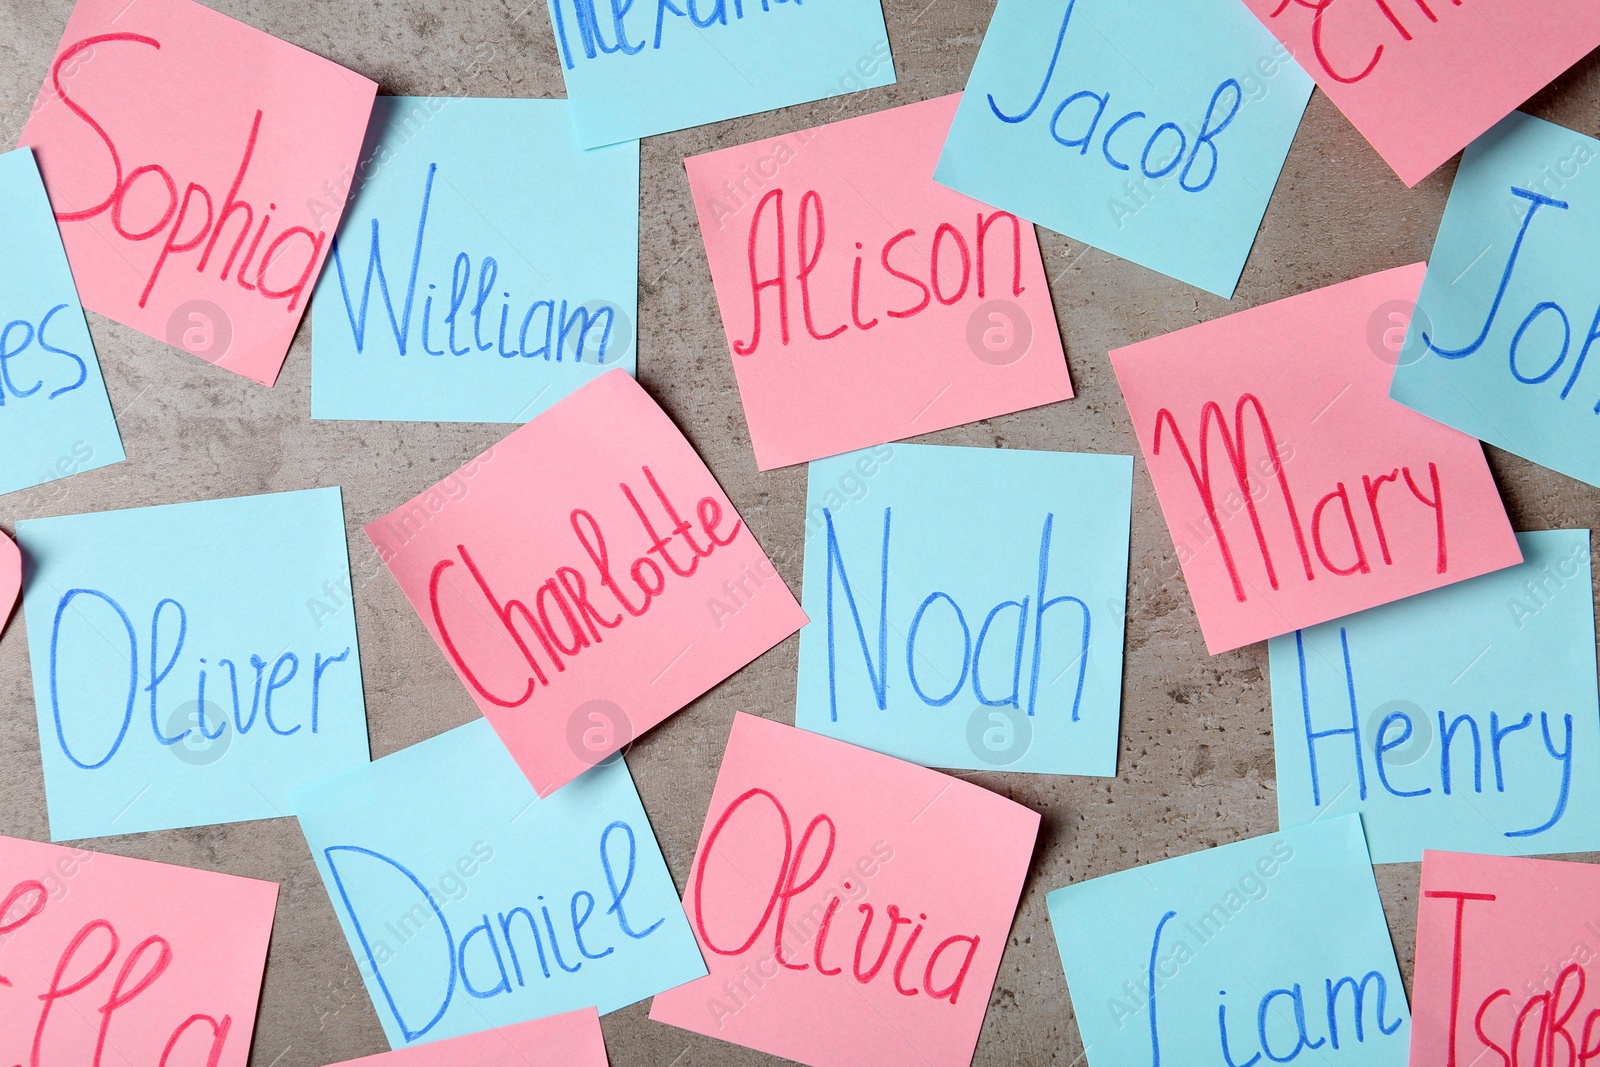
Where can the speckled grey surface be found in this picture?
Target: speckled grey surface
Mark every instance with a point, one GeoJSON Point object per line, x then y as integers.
{"type": "Point", "coordinates": [1196, 764]}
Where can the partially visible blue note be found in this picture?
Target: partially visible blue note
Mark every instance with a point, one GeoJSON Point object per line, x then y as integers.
{"type": "Point", "coordinates": [55, 417]}
{"type": "Point", "coordinates": [192, 663]}
{"type": "Point", "coordinates": [485, 269]}
{"type": "Point", "coordinates": [1154, 131]}
{"type": "Point", "coordinates": [470, 903]}
{"type": "Point", "coordinates": [1465, 719]}
{"type": "Point", "coordinates": [1269, 950]}
{"type": "Point", "coordinates": [967, 606]}
{"type": "Point", "coordinates": [1509, 315]}
{"type": "Point", "coordinates": [634, 70]}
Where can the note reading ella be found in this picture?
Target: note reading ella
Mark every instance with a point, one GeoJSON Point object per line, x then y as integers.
{"type": "Point", "coordinates": [862, 301]}
{"type": "Point", "coordinates": [852, 908]}
{"type": "Point", "coordinates": [105, 959]}
{"type": "Point", "coordinates": [192, 663]}
{"type": "Point", "coordinates": [198, 168]}
{"type": "Point", "coordinates": [1295, 490]}
{"type": "Point", "coordinates": [967, 606]}
{"type": "Point", "coordinates": [466, 285]}
{"type": "Point", "coordinates": [567, 575]}
{"type": "Point", "coordinates": [470, 903]}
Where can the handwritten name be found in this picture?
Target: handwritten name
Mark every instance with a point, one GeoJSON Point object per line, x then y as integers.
{"type": "Point", "coordinates": [564, 618]}
{"type": "Point", "coordinates": [166, 648]}
{"type": "Point", "coordinates": [1319, 9]}
{"type": "Point", "coordinates": [64, 369]}
{"type": "Point", "coordinates": [563, 330]}
{"type": "Point", "coordinates": [625, 37]}
{"type": "Point", "coordinates": [1167, 143]}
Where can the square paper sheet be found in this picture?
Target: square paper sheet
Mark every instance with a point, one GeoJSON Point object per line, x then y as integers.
{"type": "Point", "coordinates": [1224, 956]}
{"type": "Point", "coordinates": [470, 903]}
{"type": "Point", "coordinates": [55, 418]}
{"type": "Point", "coordinates": [1004, 573]}
{"type": "Point", "coordinates": [675, 65]}
{"type": "Point", "coordinates": [571, 576]}
{"type": "Point", "coordinates": [1420, 79]}
{"type": "Point", "coordinates": [466, 285]}
{"type": "Point", "coordinates": [192, 663]}
{"type": "Point", "coordinates": [862, 301]}
{"type": "Point", "coordinates": [184, 948]}
{"type": "Point", "coordinates": [1295, 490]}
{"type": "Point", "coordinates": [1505, 961]}
{"type": "Point", "coordinates": [1462, 718]}
{"type": "Point", "coordinates": [1501, 344]}
{"type": "Point", "coordinates": [1154, 131]}
{"type": "Point", "coordinates": [198, 168]}
{"type": "Point", "coordinates": [852, 908]}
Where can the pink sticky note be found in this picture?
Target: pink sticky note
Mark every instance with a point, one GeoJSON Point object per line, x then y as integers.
{"type": "Point", "coordinates": [105, 959]}
{"type": "Point", "coordinates": [851, 907]}
{"type": "Point", "coordinates": [863, 302]}
{"type": "Point", "coordinates": [571, 1039]}
{"type": "Point", "coordinates": [198, 169]}
{"type": "Point", "coordinates": [10, 578]}
{"type": "Point", "coordinates": [1422, 78]}
{"type": "Point", "coordinates": [1507, 969]}
{"type": "Point", "coordinates": [586, 577]}
{"type": "Point", "coordinates": [1295, 490]}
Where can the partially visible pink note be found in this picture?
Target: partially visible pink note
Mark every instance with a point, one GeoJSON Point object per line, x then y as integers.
{"type": "Point", "coordinates": [198, 169]}
{"type": "Point", "coordinates": [852, 908]}
{"type": "Point", "coordinates": [1422, 78]}
{"type": "Point", "coordinates": [571, 1039]}
{"type": "Point", "coordinates": [586, 577]}
{"type": "Point", "coordinates": [1508, 962]}
{"type": "Point", "coordinates": [107, 960]}
{"type": "Point", "coordinates": [10, 579]}
{"type": "Point", "coordinates": [1295, 490]}
{"type": "Point", "coordinates": [862, 301]}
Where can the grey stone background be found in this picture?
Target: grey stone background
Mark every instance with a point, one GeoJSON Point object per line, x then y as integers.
{"type": "Point", "coordinates": [1196, 765]}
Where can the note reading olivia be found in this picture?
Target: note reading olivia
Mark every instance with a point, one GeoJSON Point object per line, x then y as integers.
{"type": "Point", "coordinates": [470, 903]}
{"type": "Point", "coordinates": [565, 574]}
{"type": "Point", "coordinates": [198, 168]}
{"type": "Point", "coordinates": [1508, 313]}
{"type": "Point", "coordinates": [1506, 952]}
{"type": "Point", "coordinates": [466, 285]}
{"type": "Point", "coordinates": [55, 418]}
{"type": "Point", "coordinates": [920, 309]}
{"type": "Point", "coordinates": [967, 606]}
{"type": "Point", "coordinates": [1295, 490]}
{"type": "Point", "coordinates": [1463, 718]}
{"type": "Point", "coordinates": [1269, 950]}
{"type": "Point", "coordinates": [1154, 131]}
{"type": "Point", "coordinates": [637, 70]}
{"type": "Point", "coordinates": [192, 663]}
{"type": "Point", "coordinates": [852, 908]}
{"type": "Point", "coordinates": [571, 1039]}
{"type": "Point", "coordinates": [105, 959]}
{"type": "Point", "coordinates": [1422, 78]}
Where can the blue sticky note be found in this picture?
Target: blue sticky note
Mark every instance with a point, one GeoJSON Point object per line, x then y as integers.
{"type": "Point", "coordinates": [486, 267]}
{"type": "Point", "coordinates": [192, 663]}
{"type": "Point", "coordinates": [1154, 131]}
{"type": "Point", "coordinates": [1269, 950]}
{"type": "Point", "coordinates": [1465, 719]}
{"type": "Point", "coordinates": [470, 903]}
{"type": "Point", "coordinates": [1500, 342]}
{"type": "Point", "coordinates": [634, 70]}
{"type": "Point", "coordinates": [967, 606]}
{"type": "Point", "coordinates": [55, 417]}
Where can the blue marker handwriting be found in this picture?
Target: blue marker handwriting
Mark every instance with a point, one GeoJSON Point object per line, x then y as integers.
{"type": "Point", "coordinates": [31, 366]}
{"type": "Point", "coordinates": [629, 39]}
{"type": "Point", "coordinates": [472, 319]}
